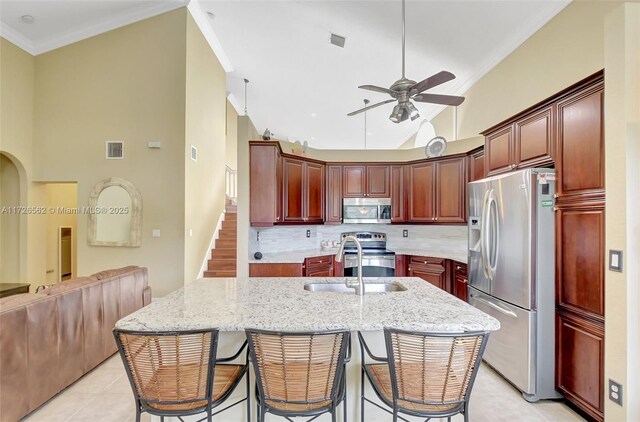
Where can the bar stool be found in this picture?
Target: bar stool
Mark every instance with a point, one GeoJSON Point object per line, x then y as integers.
{"type": "Point", "coordinates": [429, 375]}
{"type": "Point", "coordinates": [177, 373]}
{"type": "Point", "coordinates": [299, 374]}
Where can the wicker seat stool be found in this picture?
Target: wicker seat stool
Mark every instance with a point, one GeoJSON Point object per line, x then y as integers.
{"type": "Point", "coordinates": [299, 374]}
{"type": "Point", "coordinates": [428, 375]}
{"type": "Point", "coordinates": [178, 373]}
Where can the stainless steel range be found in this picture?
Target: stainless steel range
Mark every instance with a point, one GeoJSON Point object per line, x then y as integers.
{"type": "Point", "coordinates": [377, 261]}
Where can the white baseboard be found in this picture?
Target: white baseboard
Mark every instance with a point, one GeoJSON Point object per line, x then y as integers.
{"type": "Point", "coordinates": [207, 256]}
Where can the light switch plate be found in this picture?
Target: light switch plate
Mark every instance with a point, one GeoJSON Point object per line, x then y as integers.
{"type": "Point", "coordinates": [155, 233]}
{"type": "Point", "coordinates": [615, 260]}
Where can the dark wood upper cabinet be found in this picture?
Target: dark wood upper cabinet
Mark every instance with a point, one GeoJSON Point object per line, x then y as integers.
{"type": "Point", "coordinates": [366, 181]}
{"type": "Point", "coordinates": [303, 186]}
{"type": "Point", "coordinates": [354, 181]}
{"type": "Point", "coordinates": [476, 165]}
{"type": "Point", "coordinates": [265, 180]}
{"type": "Point", "coordinates": [398, 195]}
{"type": "Point", "coordinates": [437, 191]}
{"type": "Point", "coordinates": [498, 150]}
{"type": "Point", "coordinates": [525, 141]}
{"type": "Point", "coordinates": [581, 142]}
{"type": "Point", "coordinates": [534, 143]}
{"type": "Point", "coordinates": [450, 191]}
{"type": "Point", "coordinates": [334, 194]}
{"type": "Point", "coordinates": [378, 181]}
{"type": "Point", "coordinates": [422, 182]}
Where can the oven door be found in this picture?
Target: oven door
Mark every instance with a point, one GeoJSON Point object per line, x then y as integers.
{"type": "Point", "coordinates": [372, 265]}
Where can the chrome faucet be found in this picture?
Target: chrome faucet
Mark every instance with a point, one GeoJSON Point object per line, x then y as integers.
{"type": "Point", "coordinates": [359, 284]}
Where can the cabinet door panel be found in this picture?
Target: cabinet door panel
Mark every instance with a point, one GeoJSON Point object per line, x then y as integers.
{"type": "Point", "coordinates": [534, 139]}
{"type": "Point", "coordinates": [451, 191]}
{"type": "Point", "coordinates": [476, 166]}
{"type": "Point", "coordinates": [460, 281]}
{"type": "Point", "coordinates": [498, 151]}
{"type": "Point", "coordinates": [580, 259]}
{"type": "Point", "coordinates": [581, 143]}
{"type": "Point", "coordinates": [334, 194]}
{"type": "Point", "coordinates": [264, 188]}
{"type": "Point", "coordinates": [397, 194]}
{"type": "Point", "coordinates": [354, 179]}
{"type": "Point", "coordinates": [580, 363]}
{"type": "Point", "coordinates": [293, 208]}
{"type": "Point", "coordinates": [433, 277]}
{"type": "Point", "coordinates": [314, 192]}
{"type": "Point", "coordinates": [421, 192]}
{"type": "Point", "coordinates": [378, 182]}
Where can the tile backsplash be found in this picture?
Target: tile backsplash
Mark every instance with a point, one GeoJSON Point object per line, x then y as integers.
{"type": "Point", "coordinates": [292, 238]}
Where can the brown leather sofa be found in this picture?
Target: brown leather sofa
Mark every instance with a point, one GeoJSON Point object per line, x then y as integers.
{"type": "Point", "coordinates": [48, 340]}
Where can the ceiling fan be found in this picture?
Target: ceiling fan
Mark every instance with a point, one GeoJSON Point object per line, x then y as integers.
{"type": "Point", "coordinates": [404, 90]}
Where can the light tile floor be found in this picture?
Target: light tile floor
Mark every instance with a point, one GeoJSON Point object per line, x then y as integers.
{"type": "Point", "coordinates": [104, 394]}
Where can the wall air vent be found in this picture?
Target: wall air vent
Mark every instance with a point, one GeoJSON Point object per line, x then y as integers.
{"type": "Point", "coordinates": [338, 40]}
{"type": "Point", "coordinates": [194, 153]}
{"type": "Point", "coordinates": [114, 150]}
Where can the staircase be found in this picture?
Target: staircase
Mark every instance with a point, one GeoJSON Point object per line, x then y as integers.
{"type": "Point", "coordinates": [223, 256]}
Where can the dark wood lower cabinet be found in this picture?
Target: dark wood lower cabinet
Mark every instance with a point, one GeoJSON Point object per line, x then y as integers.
{"type": "Point", "coordinates": [319, 266]}
{"type": "Point", "coordinates": [580, 362]}
{"type": "Point", "coordinates": [433, 270]}
{"type": "Point", "coordinates": [275, 270]}
{"type": "Point", "coordinates": [460, 280]}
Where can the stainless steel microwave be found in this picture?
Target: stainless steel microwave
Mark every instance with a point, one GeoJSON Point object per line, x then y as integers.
{"type": "Point", "coordinates": [366, 210]}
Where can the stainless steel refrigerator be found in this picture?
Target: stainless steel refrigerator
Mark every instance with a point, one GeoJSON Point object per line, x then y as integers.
{"type": "Point", "coordinates": [512, 276]}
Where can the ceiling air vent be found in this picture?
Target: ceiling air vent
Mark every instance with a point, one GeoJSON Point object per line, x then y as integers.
{"type": "Point", "coordinates": [338, 40]}
{"type": "Point", "coordinates": [115, 150]}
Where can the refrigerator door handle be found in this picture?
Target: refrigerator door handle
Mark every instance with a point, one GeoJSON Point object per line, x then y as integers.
{"type": "Point", "coordinates": [483, 235]}
{"type": "Point", "coordinates": [496, 307]}
{"type": "Point", "coordinates": [492, 217]}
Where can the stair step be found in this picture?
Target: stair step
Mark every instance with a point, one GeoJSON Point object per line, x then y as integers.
{"type": "Point", "coordinates": [231, 209]}
{"type": "Point", "coordinates": [230, 225]}
{"type": "Point", "coordinates": [226, 243]}
{"type": "Point", "coordinates": [223, 253]}
{"type": "Point", "coordinates": [221, 264]}
{"type": "Point", "coordinates": [230, 216]}
{"type": "Point", "coordinates": [220, 273]}
{"type": "Point", "coordinates": [227, 234]}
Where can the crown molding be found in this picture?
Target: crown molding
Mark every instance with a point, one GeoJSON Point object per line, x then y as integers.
{"type": "Point", "coordinates": [51, 43]}
{"type": "Point", "coordinates": [203, 22]}
{"type": "Point", "coordinates": [505, 49]}
{"type": "Point", "coordinates": [16, 38]}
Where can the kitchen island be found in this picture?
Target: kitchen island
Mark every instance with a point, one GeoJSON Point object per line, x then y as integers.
{"type": "Point", "coordinates": [233, 304]}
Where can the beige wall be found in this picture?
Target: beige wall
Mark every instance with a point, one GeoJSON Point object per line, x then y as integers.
{"type": "Point", "coordinates": [246, 133]}
{"type": "Point", "coordinates": [9, 222]}
{"type": "Point", "coordinates": [231, 151]}
{"type": "Point", "coordinates": [205, 128]}
{"type": "Point", "coordinates": [61, 195]}
{"type": "Point", "coordinates": [568, 48]}
{"type": "Point", "coordinates": [127, 84]}
{"type": "Point", "coordinates": [622, 153]}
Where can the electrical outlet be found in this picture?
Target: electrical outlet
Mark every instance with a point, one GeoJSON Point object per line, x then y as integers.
{"type": "Point", "coordinates": [405, 233]}
{"type": "Point", "coordinates": [615, 392]}
{"type": "Point", "coordinates": [308, 233]}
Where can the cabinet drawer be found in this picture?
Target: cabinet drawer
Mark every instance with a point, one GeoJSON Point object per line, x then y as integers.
{"type": "Point", "coordinates": [423, 260]}
{"type": "Point", "coordinates": [459, 269]}
{"type": "Point", "coordinates": [324, 261]}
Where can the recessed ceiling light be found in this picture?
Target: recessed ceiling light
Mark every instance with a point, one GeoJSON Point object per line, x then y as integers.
{"type": "Point", "coordinates": [211, 15]}
{"type": "Point", "coordinates": [314, 115]}
{"type": "Point", "coordinates": [26, 19]}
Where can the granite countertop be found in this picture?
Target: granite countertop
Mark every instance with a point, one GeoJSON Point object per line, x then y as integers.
{"type": "Point", "coordinates": [297, 257]}
{"type": "Point", "coordinates": [233, 304]}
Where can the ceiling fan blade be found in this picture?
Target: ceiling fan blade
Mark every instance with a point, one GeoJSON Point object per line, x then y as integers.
{"type": "Point", "coordinates": [451, 100]}
{"type": "Point", "coordinates": [431, 81]}
{"type": "Point", "coordinates": [379, 89]}
{"type": "Point", "coordinates": [353, 113]}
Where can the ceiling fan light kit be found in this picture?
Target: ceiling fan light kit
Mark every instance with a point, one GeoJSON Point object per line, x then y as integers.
{"type": "Point", "coordinates": [404, 90]}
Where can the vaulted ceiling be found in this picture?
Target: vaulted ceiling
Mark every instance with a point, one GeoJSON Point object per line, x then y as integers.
{"type": "Point", "coordinates": [301, 86]}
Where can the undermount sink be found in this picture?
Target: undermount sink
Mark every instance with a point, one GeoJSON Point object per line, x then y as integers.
{"type": "Point", "coordinates": [342, 288]}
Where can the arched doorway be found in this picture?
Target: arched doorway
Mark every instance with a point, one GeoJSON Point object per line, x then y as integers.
{"type": "Point", "coordinates": [9, 221]}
